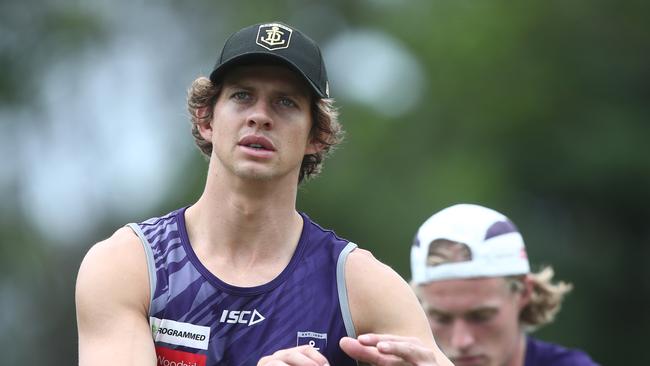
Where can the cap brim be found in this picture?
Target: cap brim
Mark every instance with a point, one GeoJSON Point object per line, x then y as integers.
{"type": "Point", "coordinates": [255, 58]}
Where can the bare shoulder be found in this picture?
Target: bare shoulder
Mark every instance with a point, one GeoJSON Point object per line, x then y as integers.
{"type": "Point", "coordinates": [367, 274]}
{"type": "Point", "coordinates": [112, 303]}
{"type": "Point", "coordinates": [123, 241]}
{"type": "Point", "coordinates": [381, 301]}
{"type": "Point", "coordinates": [114, 271]}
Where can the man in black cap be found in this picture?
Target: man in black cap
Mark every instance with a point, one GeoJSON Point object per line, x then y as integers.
{"type": "Point", "coordinates": [240, 277]}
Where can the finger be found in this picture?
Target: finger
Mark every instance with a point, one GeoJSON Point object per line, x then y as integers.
{"type": "Point", "coordinates": [299, 359]}
{"type": "Point", "coordinates": [302, 355]}
{"type": "Point", "coordinates": [315, 355]}
{"type": "Point", "coordinates": [371, 339]}
{"type": "Point", "coordinates": [408, 351]}
{"type": "Point", "coordinates": [269, 361]}
{"type": "Point", "coordinates": [367, 354]}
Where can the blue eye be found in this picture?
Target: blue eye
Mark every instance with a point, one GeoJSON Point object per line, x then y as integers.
{"type": "Point", "coordinates": [240, 95]}
{"type": "Point", "coordinates": [286, 102]}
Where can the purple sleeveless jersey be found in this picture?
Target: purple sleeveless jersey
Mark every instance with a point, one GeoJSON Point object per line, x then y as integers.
{"type": "Point", "coordinates": [197, 319]}
{"type": "Point", "coordinates": [539, 353]}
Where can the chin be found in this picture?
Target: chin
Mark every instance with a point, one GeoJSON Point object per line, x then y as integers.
{"type": "Point", "coordinates": [471, 361]}
{"type": "Point", "coordinates": [265, 173]}
{"type": "Point", "coordinates": [260, 175]}
{"type": "Point", "coordinates": [256, 176]}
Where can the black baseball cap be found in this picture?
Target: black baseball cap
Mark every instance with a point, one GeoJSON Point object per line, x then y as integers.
{"type": "Point", "coordinates": [274, 42]}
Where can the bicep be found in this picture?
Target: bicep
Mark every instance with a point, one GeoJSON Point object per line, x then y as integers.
{"type": "Point", "coordinates": [382, 302]}
{"type": "Point", "coordinates": [111, 303]}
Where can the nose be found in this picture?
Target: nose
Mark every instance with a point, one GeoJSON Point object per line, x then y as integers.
{"type": "Point", "coordinates": [260, 116]}
{"type": "Point", "coordinates": [461, 336]}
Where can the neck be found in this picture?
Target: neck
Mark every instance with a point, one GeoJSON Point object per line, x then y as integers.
{"type": "Point", "coordinates": [519, 356]}
{"type": "Point", "coordinates": [238, 216]}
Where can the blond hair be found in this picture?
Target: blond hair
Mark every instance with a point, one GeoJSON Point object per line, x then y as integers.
{"type": "Point", "coordinates": [545, 299]}
{"type": "Point", "coordinates": [326, 130]}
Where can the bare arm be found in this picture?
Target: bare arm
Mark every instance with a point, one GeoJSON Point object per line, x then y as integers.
{"type": "Point", "coordinates": [388, 349]}
{"type": "Point", "coordinates": [386, 313]}
{"type": "Point", "coordinates": [112, 300]}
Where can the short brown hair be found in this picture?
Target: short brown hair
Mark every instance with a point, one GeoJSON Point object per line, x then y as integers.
{"type": "Point", "coordinates": [325, 131]}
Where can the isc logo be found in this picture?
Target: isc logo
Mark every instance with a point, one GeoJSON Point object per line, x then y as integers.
{"type": "Point", "coordinates": [241, 316]}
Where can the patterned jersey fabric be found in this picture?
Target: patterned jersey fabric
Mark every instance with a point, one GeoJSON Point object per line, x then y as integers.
{"type": "Point", "coordinates": [197, 319]}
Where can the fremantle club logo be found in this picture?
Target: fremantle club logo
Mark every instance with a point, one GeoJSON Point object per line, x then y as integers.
{"type": "Point", "coordinates": [314, 339]}
{"type": "Point", "coordinates": [273, 36]}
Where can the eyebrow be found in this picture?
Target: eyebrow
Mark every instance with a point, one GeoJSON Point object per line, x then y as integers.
{"type": "Point", "coordinates": [435, 311]}
{"type": "Point", "coordinates": [283, 90]}
{"type": "Point", "coordinates": [235, 85]}
{"type": "Point", "coordinates": [490, 309]}
{"type": "Point", "coordinates": [482, 311]}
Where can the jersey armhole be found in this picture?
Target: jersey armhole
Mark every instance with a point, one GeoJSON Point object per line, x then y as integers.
{"type": "Point", "coordinates": [342, 290]}
{"type": "Point", "coordinates": [151, 264]}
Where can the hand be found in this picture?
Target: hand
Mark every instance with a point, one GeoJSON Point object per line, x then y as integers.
{"type": "Point", "coordinates": [296, 356]}
{"type": "Point", "coordinates": [389, 350]}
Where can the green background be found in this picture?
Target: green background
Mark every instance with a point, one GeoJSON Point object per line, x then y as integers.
{"type": "Point", "coordinates": [538, 109]}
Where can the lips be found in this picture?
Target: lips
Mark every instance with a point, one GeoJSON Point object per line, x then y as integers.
{"type": "Point", "coordinates": [468, 360]}
{"type": "Point", "coordinates": [257, 142]}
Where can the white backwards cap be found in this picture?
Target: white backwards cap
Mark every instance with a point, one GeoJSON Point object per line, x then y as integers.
{"type": "Point", "coordinates": [496, 246]}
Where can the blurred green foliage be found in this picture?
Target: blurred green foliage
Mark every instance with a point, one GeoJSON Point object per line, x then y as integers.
{"type": "Point", "coordinates": [537, 109]}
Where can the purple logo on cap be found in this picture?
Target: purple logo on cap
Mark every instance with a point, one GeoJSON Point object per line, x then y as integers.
{"type": "Point", "coordinates": [416, 241]}
{"type": "Point", "coordinates": [500, 228]}
{"type": "Point", "coordinates": [273, 36]}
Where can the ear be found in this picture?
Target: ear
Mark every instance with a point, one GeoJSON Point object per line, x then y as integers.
{"type": "Point", "coordinates": [313, 147]}
{"type": "Point", "coordinates": [205, 128]}
{"type": "Point", "coordinates": [313, 144]}
{"type": "Point", "coordinates": [527, 292]}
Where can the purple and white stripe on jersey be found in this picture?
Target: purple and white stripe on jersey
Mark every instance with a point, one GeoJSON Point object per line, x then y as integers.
{"type": "Point", "coordinates": [200, 320]}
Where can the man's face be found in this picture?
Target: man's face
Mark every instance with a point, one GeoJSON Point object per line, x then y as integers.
{"type": "Point", "coordinates": [475, 321]}
{"type": "Point", "coordinates": [261, 123]}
